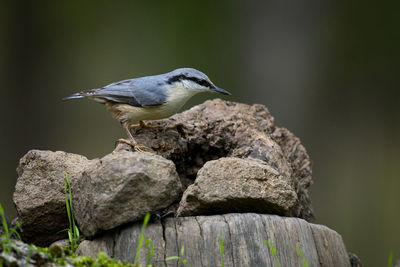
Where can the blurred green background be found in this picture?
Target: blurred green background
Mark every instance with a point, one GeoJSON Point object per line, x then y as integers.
{"type": "Point", "coordinates": [327, 70]}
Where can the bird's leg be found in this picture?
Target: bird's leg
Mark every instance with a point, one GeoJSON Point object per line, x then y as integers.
{"type": "Point", "coordinates": [148, 125]}
{"type": "Point", "coordinates": [140, 125]}
{"type": "Point", "coordinates": [145, 125]}
{"type": "Point", "coordinates": [131, 140]}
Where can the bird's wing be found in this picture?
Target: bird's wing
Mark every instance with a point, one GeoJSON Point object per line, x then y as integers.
{"type": "Point", "coordinates": [134, 92]}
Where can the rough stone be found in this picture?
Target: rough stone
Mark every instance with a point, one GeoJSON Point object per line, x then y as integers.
{"type": "Point", "coordinates": [217, 129]}
{"type": "Point", "coordinates": [243, 237]}
{"type": "Point", "coordinates": [122, 187]}
{"type": "Point", "coordinates": [39, 193]}
{"type": "Point", "coordinates": [240, 185]}
{"type": "Point", "coordinates": [116, 190]}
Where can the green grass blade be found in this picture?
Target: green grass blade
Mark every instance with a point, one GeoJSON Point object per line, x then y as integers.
{"type": "Point", "coordinates": [76, 232]}
{"type": "Point", "coordinates": [273, 252]}
{"type": "Point", "coordinates": [172, 258]}
{"type": "Point", "coordinates": [70, 238]}
{"type": "Point", "coordinates": [63, 230]}
{"type": "Point", "coordinates": [145, 222]}
{"type": "Point", "coordinates": [390, 260]}
{"type": "Point", "coordinates": [70, 205]}
{"type": "Point", "coordinates": [68, 211]}
{"type": "Point", "coordinates": [16, 233]}
{"type": "Point", "coordinates": [182, 250]}
{"type": "Point", "coordinates": [4, 222]}
{"type": "Point", "coordinates": [150, 251]}
{"type": "Point", "coordinates": [301, 254]}
{"type": "Point", "coordinates": [73, 230]}
{"type": "Point", "coordinates": [67, 204]}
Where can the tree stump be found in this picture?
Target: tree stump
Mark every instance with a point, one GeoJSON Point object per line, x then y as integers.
{"type": "Point", "coordinates": [243, 236]}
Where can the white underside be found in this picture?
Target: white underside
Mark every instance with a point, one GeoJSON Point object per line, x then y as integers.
{"type": "Point", "coordinates": [177, 98]}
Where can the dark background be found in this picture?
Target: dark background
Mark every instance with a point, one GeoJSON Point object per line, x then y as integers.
{"type": "Point", "coordinates": [327, 70]}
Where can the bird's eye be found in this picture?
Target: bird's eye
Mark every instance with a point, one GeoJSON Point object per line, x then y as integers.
{"type": "Point", "coordinates": [201, 82]}
{"type": "Point", "coordinates": [176, 78]}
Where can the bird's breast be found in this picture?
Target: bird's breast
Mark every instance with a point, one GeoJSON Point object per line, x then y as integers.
{"type": "Point", "coordinates": [176, 98]}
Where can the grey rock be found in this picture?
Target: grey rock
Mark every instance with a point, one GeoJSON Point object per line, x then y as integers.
{"type": "Point", "coordinates": [217, 129]}
{"type": "Point", "coordinates": [240, 185]}
{"type": "Point", "coordinates": [243, 237]}
{"type": "Point", "coordinates": [301, 166]}
{"type": "Point", "coordinates": [122, 187]}
{"type": "Point", "coordinates": [39, 193]}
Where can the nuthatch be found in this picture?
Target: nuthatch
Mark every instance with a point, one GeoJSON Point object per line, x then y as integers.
{"type": "Point", "coordinates": [150, 98]}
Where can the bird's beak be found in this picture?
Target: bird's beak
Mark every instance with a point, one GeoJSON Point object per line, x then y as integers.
{"type": "Point", "coordinates": [220, 90]}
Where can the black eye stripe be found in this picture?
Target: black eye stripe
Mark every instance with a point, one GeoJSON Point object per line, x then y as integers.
{"type": "Point", "coordinates": [181, 77]}
{"type": "Point", "coordinates": [175, 78]}
{"type": "Point", "coordinates": [200, 81]}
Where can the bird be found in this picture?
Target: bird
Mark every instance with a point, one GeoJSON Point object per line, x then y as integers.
{"type": "Point", "coordinates": [149, 98]}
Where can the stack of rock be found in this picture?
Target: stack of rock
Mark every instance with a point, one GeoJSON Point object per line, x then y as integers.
{"type": "Point", "coordinates": [222, 168]}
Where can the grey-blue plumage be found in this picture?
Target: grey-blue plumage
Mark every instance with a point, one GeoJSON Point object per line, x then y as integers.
{"type": "Point", "coordinates": [139, 92]}
{"type": "Point", "coordinates": [150, 97]}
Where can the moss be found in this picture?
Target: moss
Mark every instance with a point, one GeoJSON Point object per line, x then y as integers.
{"type": "Point", "coordinates": [61, 256]}
{"type": "Point", "coordinates": [101, 261]}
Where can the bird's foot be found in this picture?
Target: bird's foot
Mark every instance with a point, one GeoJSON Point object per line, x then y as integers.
{"type": "Point", "coordinates": [145, 125]}
{"type": "Point", "coordinates": [134, 145]}
{"type": "Point", "coordinates": [124, 141]}
{"type": "Point", "coordinates": [140, 149]}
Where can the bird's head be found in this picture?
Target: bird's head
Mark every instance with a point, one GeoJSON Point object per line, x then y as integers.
{"type": "Point", "coordinates": [193, 80]}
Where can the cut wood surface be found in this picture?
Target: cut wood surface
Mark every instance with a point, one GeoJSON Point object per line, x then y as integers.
{"type": "Point", "coordinates": [243, 237]}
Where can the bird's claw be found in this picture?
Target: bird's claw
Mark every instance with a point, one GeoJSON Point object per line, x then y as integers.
{"type": "Point", "coordinates": [134, 145]}
{"type": "Point", "coordinates": [140, 149]}
{"type": "Point", "coordinates": [124, 141]}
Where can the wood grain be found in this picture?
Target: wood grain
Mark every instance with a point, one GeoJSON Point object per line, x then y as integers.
{"type": "Point", "coordinates": [243, 237]}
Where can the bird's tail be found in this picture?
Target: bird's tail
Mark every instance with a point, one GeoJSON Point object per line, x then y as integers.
{"type": "Point", "coordinates": [76, 95]}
